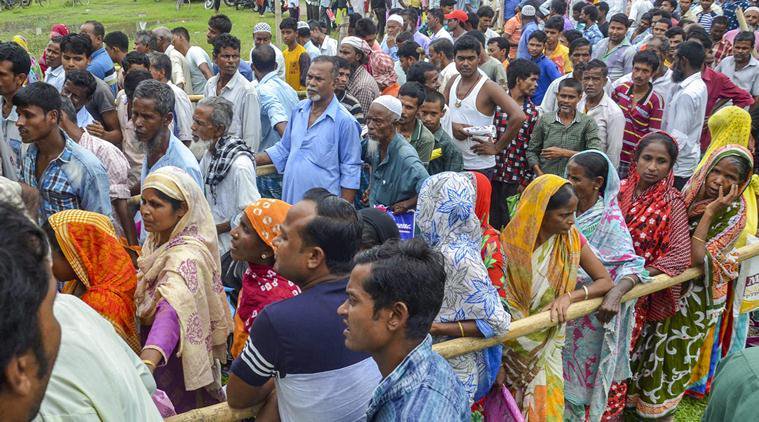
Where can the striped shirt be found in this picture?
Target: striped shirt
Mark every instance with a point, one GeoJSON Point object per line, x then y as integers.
{"type": "Point", "coordinates": [640, 118]}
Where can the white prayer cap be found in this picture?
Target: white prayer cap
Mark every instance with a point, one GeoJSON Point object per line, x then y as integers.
{"type": "Point", "coordinates": [752, 9]}
{"type": "Point", "coordinates": [528, 10]}
{"type": "Point", "coordinates": [395, 18]}
{"type": "Point", "coordinates": [262, 27]}
{"type": "Point", "coordinates": [358, 44]}
{"type": "Point", "coordinates": [392, 104]}
{"type": "Point", "coordinates": [302, 24]}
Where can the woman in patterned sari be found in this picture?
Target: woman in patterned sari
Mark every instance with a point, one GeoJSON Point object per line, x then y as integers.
{"type": "Point", "coordinates": [596, 354]}
{"type": "Point", "coordinates": [87, 254]}
{"type": "Point", "coordinates": [471, 308]}
{"type": "Point", "coordinates": [544, 251]}
{"type": "Point", "coordinates": [180, 299]}
{"type": "Point", "coordinates": [669, 349]}
{"type": "Point", "coordinates": [491, 248]}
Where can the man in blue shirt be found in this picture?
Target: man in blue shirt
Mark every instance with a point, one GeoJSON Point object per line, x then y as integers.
{"type": "Point", "coordinates": [588, 24]}
{"type": "Point", "coordinates": [66, 175]}
{"type": "Point", "coordinates": [391, 321]}
{"type": "Point", "coordinates": [321, 145]}
{"type": "Point", "coordinates": [529, 25]}
{"type": "Point", "coordinates": [152, 112]}
{"type": "Point", "coordinates": [277, 100]}
{"type": "Point", "coordinates": [548, 69]}
{"type": "Point", "coordinates": [221, 24]}
{"type": "Point", "coordinates": [101, 64]}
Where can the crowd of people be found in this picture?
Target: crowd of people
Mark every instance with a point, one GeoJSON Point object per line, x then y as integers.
{"type": "Point", "coordinates": [295, 228]}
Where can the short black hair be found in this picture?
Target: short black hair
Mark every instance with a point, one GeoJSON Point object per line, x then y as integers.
{"type": "Point", "coordinates": [571, 83]}
{"type": "Point", "coordinates": [335, 229]}
{"type": "Point", "coordinates": [410, 49]}
{"type": "Point", "coordinates": [577, 7]}
{"type": "Point", "coordinates": [672, 3]}
{"type": "Point", "coordinates": [263, 58]}
{"type": "Point", "coordinates": [720, 20]}
{"type": "Point", "coordinates": [220, 23]}
{"type": "Point", "coordinates": [579, 42]}
{"type": "Point", "coordinates": [77, 44]}
{"type": "Point", "coordinates": [132, 79]}
{"type": "Point", "coordinates": [97, 27]}
{"type": "Point", "coordinates": [19, 58]}
{"type": "Point", "coordinates": [603, 7]}
{"type": "Point", "coordinates": [472, 19]}
{"type": "Point", "coordinates": [83, 79]}
{"type": "Point", "coordinates": [403, 37]}
{"type": "Point", "coordinates": [376, 228]}
{"type": "Point", "coordinates": [341, 63]}
{"type": "Point", "coordinates": [160, 93]}
{"type": "Point", "coordinates": [591, 12]}
{"type": "Point", "coordinates": [288, 23]}
{"type": "Point", "coordinates": [662, 138]}
{"type": "Point", "coordinates": [161, 62]}
{"type": "Point", "coordinates": [647, 57]}
{"type": "Point", "coordinates": [135, 57]}
{"type": "Point", "coordinates": [304, 32]}
{"type": "Point", "coordinates": [479, 35]}
{"type": "Point", "coordinates": [572, 35]}
{"type": "Point", "coordinates": [593, 165]}
{"type": "Point", "coordinates": [225, 41]}
{"type": "Point", "coordinates": [444, 47]}
{"type": "Point", "coordinates": [409, 272]}
{"type": "Point", "coordinates": [620, 18]}
{"type": "Point", "coordinates": [675, 30]}
{"type": "Point", "coordinates": [597, 64]}
{"type": "Point", "coordinates": [693, 52]}
{"type": "Point", "coordinates": [559, 7]}
{"type": "Point", "coordinates": [538, 35]}
{"type": "Point", "coordinates": [68, 110]}
{"type": "Point", "coordinates": [745, 36]}
{"type": "Point", "coordinates": [485, 12]}
{"type": "Point", "coordinates": [700, 35]}
{"type": "Point", "coordinates": [447, 3]}
{"type": "Point", "coordinates": [502, 43]}
{"type": "Point", "coordinates": [562, 196]}
{"type": "Point", "coordinates": [411, 14]}
{"type": "Point", "coordinates": [24, 284]}
{"type": "Point", "coordinates": [438, 14]}
{"type": "Point", "coordinates": [520, 69]}
{"type": "Point", "coordinates": [181, 31]}
{"type": "Point", "coordinates": [467, 42]}
{"type": "Point", "coordinates": [666, 21]}
{"type": "Point", "coordinates": [117, 39]}
{"type": "Point", "coordinates": [413, 89]}
{"type": "Point", "coordinates": [39, 94]}
{"type": "Point", "coordinates": [435, 97]}
{"type": "Point", "coordinates": [365, 27]}
{"type": "Point", "coordinates": [555, 23]}
{"type": "Point", "coordinates": [417, 71]}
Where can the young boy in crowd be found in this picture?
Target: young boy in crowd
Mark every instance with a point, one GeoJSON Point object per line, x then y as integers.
{"type": "Point", "coordinates": [445, 155]}
{"type": "Point", "coordinates": [297, 60]}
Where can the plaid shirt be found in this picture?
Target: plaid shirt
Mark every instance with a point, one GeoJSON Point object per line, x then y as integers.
{"type": "Point", "coordinates": [363, 86]}
{"type": "Point", "coordinates": [73, 180]}
{"type": "Point", "coordinates": [511, 164]}
{"type": "Point", "coordinates": [640, 118]}
{"type": "Point", "coordinates": [721, 50]}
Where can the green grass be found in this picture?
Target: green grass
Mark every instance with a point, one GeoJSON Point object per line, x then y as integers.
{"type": "Point", "coordinates": [690, 410]}
{"type": "Point", "coordinates": [35, 21]}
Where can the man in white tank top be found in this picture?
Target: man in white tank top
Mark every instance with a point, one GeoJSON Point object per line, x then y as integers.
{"type": "Point", "coordinates": [472, 99]}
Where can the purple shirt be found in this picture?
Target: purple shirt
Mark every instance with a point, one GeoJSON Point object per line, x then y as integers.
{"type": "Point", "coordinates": [422, 40]}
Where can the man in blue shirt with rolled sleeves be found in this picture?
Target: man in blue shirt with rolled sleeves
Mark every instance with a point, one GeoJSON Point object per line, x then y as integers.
{"type": "Point", "coordinates": [101, 65]}
{"type": "Point", "coordinates": [277, 101]}
{"type": "Point", "coordinates": [321, 145]}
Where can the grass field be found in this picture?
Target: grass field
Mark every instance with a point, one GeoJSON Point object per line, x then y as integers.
{"type": "Point", "coordinates": [128, 16]}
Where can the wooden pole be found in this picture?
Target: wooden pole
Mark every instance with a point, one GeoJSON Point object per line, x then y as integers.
{"type": "Point", "coordinates": [277, 21]}
{"type": "Point", "coordinates": [522, 327]}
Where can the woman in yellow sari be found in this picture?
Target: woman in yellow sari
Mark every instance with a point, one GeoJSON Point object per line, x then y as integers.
{"type": "Point", "coordinates": [89, 257]}
{"type": "Point", "coordinates": [543, 252]}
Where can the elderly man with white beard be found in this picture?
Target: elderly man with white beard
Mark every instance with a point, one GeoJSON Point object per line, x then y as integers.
{"type": "Point", "coordinates": [397, 171]}
{"type": "Point", "coordinates": [321, 146]}
{"type": "Point", "coordinates": [229, 175]}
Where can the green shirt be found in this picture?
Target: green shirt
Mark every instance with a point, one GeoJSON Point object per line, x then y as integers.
{"type": "Point", "coordinates": [423, 142]}
{"type": "Point", "coordinates": [398, 177]}
{"type": "Point", "coordinates": [580, 135]}
{"type": "Point", "coordinates": [450, 160]}
{"type": "Point", "coordinates": [735, 389]}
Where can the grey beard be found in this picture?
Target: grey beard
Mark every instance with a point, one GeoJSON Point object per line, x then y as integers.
{"type": "Point", "coordinates": [154, 145]}
{"type": "Point", "coordinates": [372, 147]}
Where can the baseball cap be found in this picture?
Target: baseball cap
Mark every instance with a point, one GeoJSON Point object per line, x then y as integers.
{"type": "Point", "coordinates": [459, 15]}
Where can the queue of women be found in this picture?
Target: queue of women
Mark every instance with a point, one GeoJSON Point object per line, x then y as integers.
{"type": "Point", "coordinates": [586, 235]}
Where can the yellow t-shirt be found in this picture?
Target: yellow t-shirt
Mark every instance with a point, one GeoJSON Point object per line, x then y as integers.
{"type": "Point", "coordinates": [292, 66]}
{"type": "Point", "coordinates": [560, 56]}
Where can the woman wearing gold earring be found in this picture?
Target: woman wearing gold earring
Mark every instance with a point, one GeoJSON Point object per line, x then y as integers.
{"type": "Point", "coordinates": [252, 242]}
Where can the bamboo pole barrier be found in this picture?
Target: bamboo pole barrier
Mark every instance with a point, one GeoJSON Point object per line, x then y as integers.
{"type": "Point", "coordinates": [195, 98]}
{"type": "Point", "coordinates": [518, 328]}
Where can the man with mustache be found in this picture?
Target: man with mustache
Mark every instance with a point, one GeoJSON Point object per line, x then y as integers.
{"type": "Point", "coordinates": [361, 84]}
{"type": "Point", "coordinates": [579, 54]}
{"type": "Point", "coordinates": [320, 146]}
{"type": "Point", "coordinates": [689, 97]}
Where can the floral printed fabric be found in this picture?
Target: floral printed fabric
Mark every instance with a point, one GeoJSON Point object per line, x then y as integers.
{"type": "Point", "coordinates": [447, 221]}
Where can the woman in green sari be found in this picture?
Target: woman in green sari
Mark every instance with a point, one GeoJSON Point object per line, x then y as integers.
{"type": "Point", "coordinates": [669, 349]}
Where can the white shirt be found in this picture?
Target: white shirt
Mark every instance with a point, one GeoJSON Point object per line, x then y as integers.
{"type": "Point", "coordinates": [280, 59]}
{"type": "Point", "coordinates": [182, 113]}
{"type": "Point", "coordinates": [683, 120]}
{"type": "Point", "coordinates": [616, 6]}
{"type": "Point", "coordinates": [746, 78]}
{"type": "Point", "coordinates": [490, 34]}
{"type": "Point", "coordinates": [446, 74]}
{"type": "Point", "coordinates": [328, 47]}
{"type": "Point", "coordinates": [442, 34]}
{"type": "Point", "coordinates": [611, 125]}
{"type": "Point", "coordinates": [56, 77]}
{"type": "Point", "coordinates": [662, 85]}
{"type": "Point", "coordinates": [195, 57]}
{"type": "Point", "coordinates": [638, 8]}
{"type": "Point", "coordinates": [549, 100]}
{"type": "Point", "coordinates": [246, 122]}
{"type": "Point", "coordinates": [11, 148]}
{"type": "Point", "coordinates": [96, 375]}
{"type": "Point", "coordinates": [235, 192]}
{"type": "Point", "coordinates": [83, 118]}
{"type": "Point", "coordinates": [180, 69]}
{"type": "Point", "coordinates": [312, 50]}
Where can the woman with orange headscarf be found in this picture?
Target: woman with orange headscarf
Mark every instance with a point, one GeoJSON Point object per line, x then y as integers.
{"type": "Point", "coordinates": [87, 254]}
{"type": "Point", "coordinates": [261, 285]}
